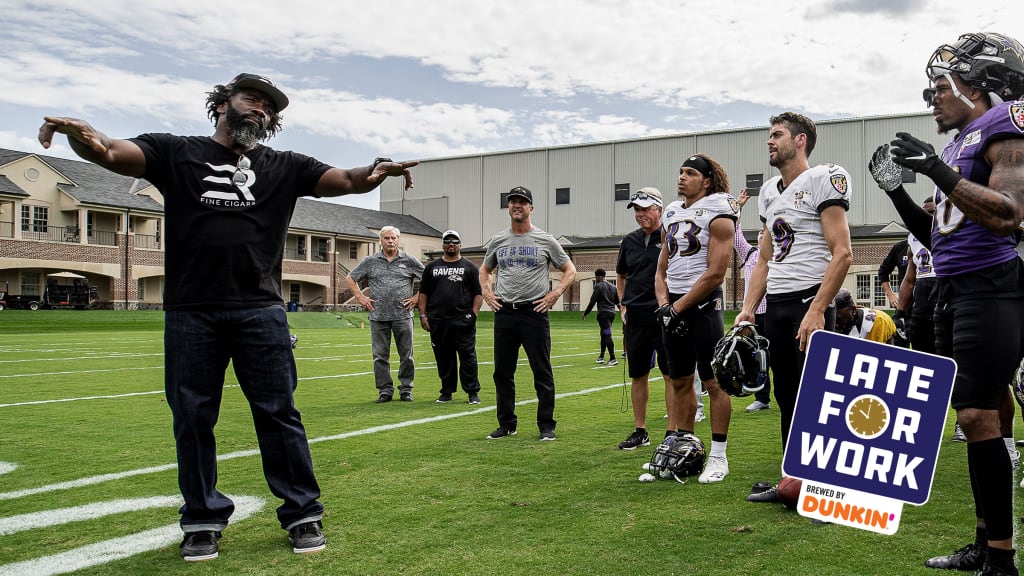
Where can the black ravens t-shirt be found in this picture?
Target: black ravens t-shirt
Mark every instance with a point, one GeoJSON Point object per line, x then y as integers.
{"type": "Point", "coordinates": [226, 223]}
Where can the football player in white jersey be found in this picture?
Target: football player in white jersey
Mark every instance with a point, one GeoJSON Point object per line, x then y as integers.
{"type": "Point", "coordinates": [805, 255]}
{"type": "Point", "coordinates": [697, 231]}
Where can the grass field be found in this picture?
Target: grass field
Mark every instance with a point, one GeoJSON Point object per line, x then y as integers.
{"type": "Point", "coordinates": [87, 470]}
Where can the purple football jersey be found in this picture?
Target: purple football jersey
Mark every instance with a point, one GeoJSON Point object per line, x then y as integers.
{"type": "Point", "coordinates": [959, 244]}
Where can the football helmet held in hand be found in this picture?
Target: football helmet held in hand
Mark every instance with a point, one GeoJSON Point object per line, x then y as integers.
{"type": "Point", "coordinates": [741, 360]}
{"type": "Point", "coordinates": [681, 455]}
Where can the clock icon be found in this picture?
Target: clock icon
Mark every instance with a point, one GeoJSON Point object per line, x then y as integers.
{"type": "Point", "coordinates": [867, 416]}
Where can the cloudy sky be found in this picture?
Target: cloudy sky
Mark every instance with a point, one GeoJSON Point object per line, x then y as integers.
{"type": "Point", "coordinates": [426, 79]}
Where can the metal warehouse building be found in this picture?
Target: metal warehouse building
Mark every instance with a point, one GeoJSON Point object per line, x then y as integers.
{"type": "Point", "coordinates": [581, 191]}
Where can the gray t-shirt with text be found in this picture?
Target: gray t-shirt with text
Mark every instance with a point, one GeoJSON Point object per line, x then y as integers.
{"type": "Point", "coordinates": [521, 263]}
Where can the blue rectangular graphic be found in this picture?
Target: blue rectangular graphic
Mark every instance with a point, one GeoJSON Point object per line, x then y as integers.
{"type": "Point", "coordinates": [869, 417]}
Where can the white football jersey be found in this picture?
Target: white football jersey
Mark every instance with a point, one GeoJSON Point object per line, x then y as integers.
{"type": "Point", "coordinates": [799, 252]}
{"type": "Point", "coordinates": [687, 235]}
{"type": "Point", "coordinates": [922, 258]}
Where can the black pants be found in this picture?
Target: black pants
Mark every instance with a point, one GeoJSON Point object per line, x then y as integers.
{"type": "Point", "coordinates": [782, 321]}
{"type": "Point", "coordinates": [454, 343]}
{"type": "Point", "coordinates": [604, 320]}
{"type": "Point", "coordinates": [523, 327]}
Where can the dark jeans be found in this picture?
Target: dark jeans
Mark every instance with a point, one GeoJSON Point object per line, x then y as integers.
{"type": "Point", "coordinates": [454, 343]}
{"type": "Point", "coordinates": [604, 320]}
{"type": "Point", "coordinates": [197, 349]}
{"type": "Point", "coordinates": [529, 329]}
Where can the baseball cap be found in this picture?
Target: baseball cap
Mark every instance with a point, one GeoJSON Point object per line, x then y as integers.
{"type": "Point", "coordinates": [261, 83]}
{"type": "Point", "coordinates": [448, 233]}
{"type": "Point", "coordinates": [645, 197]}
{"type": "Point", "coordinates": [522, 193]}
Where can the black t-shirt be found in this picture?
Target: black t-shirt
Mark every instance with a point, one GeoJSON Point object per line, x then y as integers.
{"type": "Point", "coordinates": [225, 240]}
{"type": "Point", "coordinates": [638, 261]}
{"type": "Point", "coordinates": [450, 288]}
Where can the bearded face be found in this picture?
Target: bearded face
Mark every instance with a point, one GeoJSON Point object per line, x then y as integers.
{"type": "Point", "coordinates": [246, 129]}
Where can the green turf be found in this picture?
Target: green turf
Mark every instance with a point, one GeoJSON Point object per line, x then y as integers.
{"type": "Point", "coordinates": [425, 498]}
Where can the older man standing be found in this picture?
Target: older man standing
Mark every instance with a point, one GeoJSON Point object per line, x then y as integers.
{"type": "Point", "coordinates": [518, 259]}
{"type": "Point", "coordinates": [390, 274]}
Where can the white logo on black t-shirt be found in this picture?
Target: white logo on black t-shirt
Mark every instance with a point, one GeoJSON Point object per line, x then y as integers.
{"type": "Point", "coordinates": [241, 197]}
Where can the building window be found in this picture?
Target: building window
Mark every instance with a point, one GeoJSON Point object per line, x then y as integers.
{"type": "Point", "coordinates": [561, 196]}
{"type": "Point", "coordinates": [865, 287]}
{"type": "Point", "coordinates": [30, 284]}
{"type": "Point", "coordinates": [622, 192]}
{"type": "Point", "coordinates": [870, 292]}
{"type": "Point", "coordinates": [141, 289]}
{"type": "Point", "coordinates": [504, 201]}
{"type": "Point", "coordinates": [26, 218]}
{"type": "Point", "coordinates": [300, 245]}
{"type": "Point", "coordinates": [294, 292]}
{"type": "Point", "coordinates": [353, 250]}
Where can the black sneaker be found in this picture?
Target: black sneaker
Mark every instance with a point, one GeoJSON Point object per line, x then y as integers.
{"type": "Point", "coordinates": [547, 435]}
{"type": "Point", "coordinates": [198, 546]}
{"type": "Point", "coordinates": [383, 398]}
{"type": "Point", "coordinates": [969, 558]}
{"type": "Point", "coordinates": [474, 398]}
{"type": "Point", "coordinates": [769, 495]}
{"type": "Point", "coordinates": [406, 396]}
{"type": "Point", "coordinates": [992, 570]}
{"type": "Point", "coordinates": [307, 537]}
{"type": "Point", "coordinates": [501, 432]}
{"type": "Point", "coordinates": [613, 362]}
{"type": "Point", "coordinates": [635, 440]}
{"type": "Point", "coordinates": [443, 398]}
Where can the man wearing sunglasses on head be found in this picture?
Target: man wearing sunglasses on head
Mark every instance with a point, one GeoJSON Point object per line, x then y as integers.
{"type": "Point", "coordinates": [228, 201]}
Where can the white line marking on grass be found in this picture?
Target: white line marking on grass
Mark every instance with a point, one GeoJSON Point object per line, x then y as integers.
{"type": "Point", "coordinates": [66, 372]}
{"type": "Point", "coordinates": [119, 548]}
{"type": "Point", "coordinates": [33, 520]}
{"type": "Point", "coordinates": [7, 467]}
{"type": "Point", "coordinates": [92, 480]}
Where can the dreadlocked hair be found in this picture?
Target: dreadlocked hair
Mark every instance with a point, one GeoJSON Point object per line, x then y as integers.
{"type": "Point", "coordinates": [719, 178]}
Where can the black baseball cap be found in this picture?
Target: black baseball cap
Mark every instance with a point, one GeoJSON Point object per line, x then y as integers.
{"type": "Point", "coordinates": [261, 83]}
{"type": "Point", "coordinates": [522, 193]}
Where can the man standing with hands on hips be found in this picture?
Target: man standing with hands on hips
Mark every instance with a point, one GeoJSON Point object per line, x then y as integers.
{"type": "Point", "coordinates": [515, 282]}
{"type": "Point", "coordinates": [228, 201]}
{"type": "Point", "coordinates": [449, 302]}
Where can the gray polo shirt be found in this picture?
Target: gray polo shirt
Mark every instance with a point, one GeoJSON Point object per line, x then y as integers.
{"type": "Point", "coordinates": [521, 263]}
{"type": "Point", "coordinates": [390, 283]}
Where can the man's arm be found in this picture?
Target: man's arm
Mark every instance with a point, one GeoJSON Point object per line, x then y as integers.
{"type": "Point", "coordinates": [357, 292]}
{"type": "Point", "coordinates": [487, 287]}
{"type": "Point", "coordinates": [568, 277]}
{"type": "Point", "coordinates": [1000, 205]}
{"type": "Point", "coordinates": [661, 274]}
{"type": "Point", "coordinates": [422, 303]}
{"type": "Point", "coordinates": [758, 283]}
{"type": "Point", "coordinates": [339, 181]}
{"type": "Point", "coordinates": [719, 249]}
{"type": "Point", "coordinates": [837, 236]}
{"type": "Point", "coordinates": [906, 299]}
{"type": "Point", "coordinates": [620, 290]}
{"type": "Point", "coordinates": [121, 156]}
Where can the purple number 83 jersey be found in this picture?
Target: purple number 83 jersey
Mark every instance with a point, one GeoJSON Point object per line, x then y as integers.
{"type": "Point", "coordinates": [959, 244]}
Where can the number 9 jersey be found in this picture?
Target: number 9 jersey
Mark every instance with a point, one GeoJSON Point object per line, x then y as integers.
{"type": "Point", "coordinates": [792, 216]}
{"type": "Point", "coordinates": [687, 235]}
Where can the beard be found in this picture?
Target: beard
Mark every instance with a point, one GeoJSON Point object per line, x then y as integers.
{"type": "Point", "coordinates": [781, 157]}
{"type": "Point", "coordinates": [246, 134]}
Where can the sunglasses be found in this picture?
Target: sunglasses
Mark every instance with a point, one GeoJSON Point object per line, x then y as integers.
{"type": "Point", "coordinates": [240, 177]}
{"type": "Point", "coordinates": [450, 241]}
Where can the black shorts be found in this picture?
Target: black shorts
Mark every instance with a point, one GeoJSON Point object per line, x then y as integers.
{"type": "Point", "coordinates": [695, 350]}
{"type": "Point", "coordinates": [644, 347]}
{"type": "Point", "coordinates": [979, 323]}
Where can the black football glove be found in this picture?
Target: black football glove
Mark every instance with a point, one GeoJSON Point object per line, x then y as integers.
{"type": "Point", "coordinates": [902, 325]}
{"type": "Point", "coordinates": [920, 157]}
{"type": "Point", "coordinates": [887, 173]}
{"type": "Point", "coordinates": [671, 321]}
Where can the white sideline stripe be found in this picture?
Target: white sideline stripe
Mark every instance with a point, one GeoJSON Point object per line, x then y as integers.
{"type": "Point", "coordinates": [119, 548]}
{"type": "Point", "coordinates": [66, 372]}
{"type": "Point", "coordinates": [7, 467]}
{"type": "Point", "coordinates": [522, 362]}
{"type": "Point", "coordinates": [33, 520]}
{"type": "Point", "coordinates": [92, 480]}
